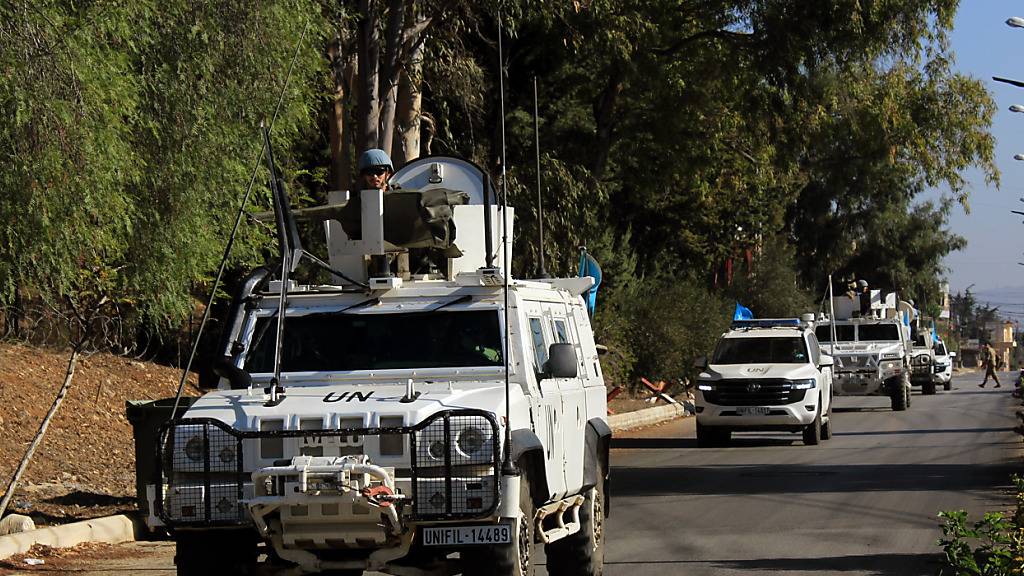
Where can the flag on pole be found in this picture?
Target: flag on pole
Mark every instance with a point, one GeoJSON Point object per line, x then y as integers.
{"type": "Point", "coordinates": [742, 313]}
{"type": "Point", "coordinates": [590, 267]}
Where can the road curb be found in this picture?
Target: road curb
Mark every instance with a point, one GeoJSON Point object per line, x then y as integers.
{"type": "Point", "coordinates": [649, 416]}
{"type": "Point", "coordinates": [109, 529]}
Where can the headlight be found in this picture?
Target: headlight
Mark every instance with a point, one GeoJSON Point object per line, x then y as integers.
{"type": "Point", "coordinates": [436, 450]}
{"type": "Point", "coordinates": [471, 441]}
{"type": "Point", "coordinates": [194, 448]}
{"type": "Point", "coordinates": [805, 384]}
{"type": "Point", "coordinates": [705, 386]}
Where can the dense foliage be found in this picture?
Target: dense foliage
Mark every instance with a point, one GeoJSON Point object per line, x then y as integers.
{"type": "Point", "coordinates": [705, 152]}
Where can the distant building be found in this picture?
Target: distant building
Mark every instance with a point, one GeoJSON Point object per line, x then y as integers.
{"type": "Point", "coordinates": [1001, 337]}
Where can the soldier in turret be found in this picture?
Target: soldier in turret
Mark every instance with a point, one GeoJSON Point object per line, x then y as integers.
{"type": "Point", "coordinates": [375, 169]}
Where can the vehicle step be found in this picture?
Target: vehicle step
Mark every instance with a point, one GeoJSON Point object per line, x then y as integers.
{"type": "Point", "coordinates": [558, 510]}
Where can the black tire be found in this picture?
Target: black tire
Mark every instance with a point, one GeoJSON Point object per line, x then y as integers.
{"type": "Point", "coordinates": [812, 432]}
{"type": "Point", "coordinates": [215, 552]}
{"type": "Point", "coordinates": [928, 388]}
{"type": "Point", "coordinates": [705, 436]}
{"type": "Point", "coordinates": [582, 554]}
{"type": "Point", "coordinates": [515, 559]}
{"type": "Point", "coordinates": [947, 385]}
{"type": "Point", "coordinates": [826, 427]}
{"type": "Point", "coordinates": [900, 399]}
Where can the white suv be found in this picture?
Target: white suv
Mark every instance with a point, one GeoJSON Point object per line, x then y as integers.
{"type": "Point", "coordinates": [943, 366]}
{"type": "Point", "coordinates": [765, 375]}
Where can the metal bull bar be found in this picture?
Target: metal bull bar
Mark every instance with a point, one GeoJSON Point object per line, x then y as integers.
{"type": "Point", "coordinates": [204, 479]}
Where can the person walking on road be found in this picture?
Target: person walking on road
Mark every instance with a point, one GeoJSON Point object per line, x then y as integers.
{"type": "Point", "coordinates": [989, 359]}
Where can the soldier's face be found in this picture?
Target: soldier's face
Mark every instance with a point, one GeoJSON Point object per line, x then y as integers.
{"type": "Point", "coordinates": [375, 177]}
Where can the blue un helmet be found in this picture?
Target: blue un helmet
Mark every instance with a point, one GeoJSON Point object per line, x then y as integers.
{"type": "Point", "coordinates": [374, 157]}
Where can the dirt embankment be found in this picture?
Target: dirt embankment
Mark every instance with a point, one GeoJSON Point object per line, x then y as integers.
{"type": "Point", "coordinates": [85, 466]}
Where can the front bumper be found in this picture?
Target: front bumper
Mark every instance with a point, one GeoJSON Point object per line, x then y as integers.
{"type": "Point", "coordinates": [780, 417]}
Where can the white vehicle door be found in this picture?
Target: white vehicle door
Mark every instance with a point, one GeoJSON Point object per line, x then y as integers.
{"type": "Point", "coordinates": [826, 373]}
{"type": "Point", "coordinates": [546, 406]}
{"type": "Point", "coordinates": [574, 411]}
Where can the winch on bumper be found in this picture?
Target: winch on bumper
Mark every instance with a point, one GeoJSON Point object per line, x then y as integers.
{"type": "Point", "coordinates": [325, 493]}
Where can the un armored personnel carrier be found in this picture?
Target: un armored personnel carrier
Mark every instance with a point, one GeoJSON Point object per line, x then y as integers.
{"type": "Point", "coordinates": [871, 352]}
{"type": "Point", "coordinates": [422, 403]}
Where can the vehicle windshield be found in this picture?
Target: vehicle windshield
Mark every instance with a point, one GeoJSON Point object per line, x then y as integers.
{"type": "Point", "coordinates": [844, 333]}
{"type": "Point", "coordinates": [341, 342]}
{"type": "Point", "coordinates": [940, 349]}
{"type": "Point", "coordinates": [878, 332]}
{"type": "Point", "coordinates": [777, 350]}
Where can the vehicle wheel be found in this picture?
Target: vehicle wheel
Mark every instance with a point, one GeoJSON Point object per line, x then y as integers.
{"type": "Point", "coordinates": [947, 385]}
{"type": "Point", "coordinates": [900, 399]}
{"type": "Point", "coordinates": [928, 388]}
{"type": "Point", "coordinates": [582, 554]}
{"type": "Point", "coordinates": [705, 436]}
{"type": "Point", "coordinates": [826, 427]}
{"type": "Point", "coordinates": [236, 553]}
{"type": "Point", "coordinates": [812, 432]}
{"type": "Point", "coordinates": [515, 559]}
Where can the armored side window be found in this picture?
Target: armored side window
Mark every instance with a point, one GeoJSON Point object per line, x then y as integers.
{"type": "Point", "coordinates": [561, 332]}
{"type": "Point", "coordinates": [540, 351]}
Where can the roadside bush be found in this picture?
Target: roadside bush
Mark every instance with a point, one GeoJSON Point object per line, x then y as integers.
{"type": "Point", "coordinates": [999, 541]}
{"type": "Point", "coordinates": [673, 321]}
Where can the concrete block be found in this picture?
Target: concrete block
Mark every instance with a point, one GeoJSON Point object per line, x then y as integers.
{"type": "Point", "coordinates": [109, 530]}
{"type": "Point", "coordinates": [649, 416]}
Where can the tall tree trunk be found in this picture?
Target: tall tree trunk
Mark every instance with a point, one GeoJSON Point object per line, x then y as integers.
{"type": "Point", "coordinates": [369, 69]}
{"type": "Point", "coordinates": [340, 168]}
{"type": "Point", "coordinates": [410, 106]}
{"type": "Point", "coordinates": [604, 118]}
{"type": "Point", "coordinates": [391, 69]}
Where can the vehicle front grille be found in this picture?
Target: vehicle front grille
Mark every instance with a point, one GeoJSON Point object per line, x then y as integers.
{"type": "Point", "coordinates": [202, 477]}
{"type": "Point", "coordinates": [754, 392]}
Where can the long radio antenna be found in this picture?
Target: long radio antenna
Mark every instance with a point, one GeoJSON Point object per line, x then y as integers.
{"type": "Point", "coordinates": [507, 466]}
{"type": "Point", "coordinates": [234, 230]}
{"type": "Point", "coordinates": [543, 273]}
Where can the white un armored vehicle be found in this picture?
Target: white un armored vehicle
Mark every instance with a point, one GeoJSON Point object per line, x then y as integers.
{"type": "Point", "coordinates": [370, 424]}
{"type": "Point", "coordinates": [765, 374]}
{"type": "Point", "coordinates": [871, 351]}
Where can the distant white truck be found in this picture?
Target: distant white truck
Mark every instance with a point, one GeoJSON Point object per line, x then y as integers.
{"type": "Point", "coordinates": [871, 352]}
{"type": "Point", "coordinates": [765, 375]}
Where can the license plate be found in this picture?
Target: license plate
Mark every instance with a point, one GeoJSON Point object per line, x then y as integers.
{"type": "Point", "coordinates": [753, 410]}
{"type": "Point", "coordinates": [467, 535]}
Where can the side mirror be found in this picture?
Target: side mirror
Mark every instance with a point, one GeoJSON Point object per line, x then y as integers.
{"type": "Point", "coordinates": [601, 349]}
{"type": "Point", "coordinates": [952, 354]}
{"type": "Point", "coordinates": [825, 360]}
{"type": "Point", "coordinates": [238, 378]}
{"type": "Point", "coordinates": [700, 362]}
{"type": "Point", "coordinates": [562, 361]}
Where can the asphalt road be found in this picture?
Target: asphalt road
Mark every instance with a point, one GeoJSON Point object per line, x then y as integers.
{"type": "Point", "coordinates": [863, 503]}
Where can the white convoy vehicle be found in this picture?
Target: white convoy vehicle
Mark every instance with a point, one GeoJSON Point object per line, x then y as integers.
{"type": "Point", "coordinates": [871, 353]}
{"type": "Point", "coordinates": [944, 366]}
{"type": "Point", "coordinates": [765, 375]}
{"type": "Point", "coordinates": [382, 431]}
{"type": "Point", "coordinates": [922, 361]}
